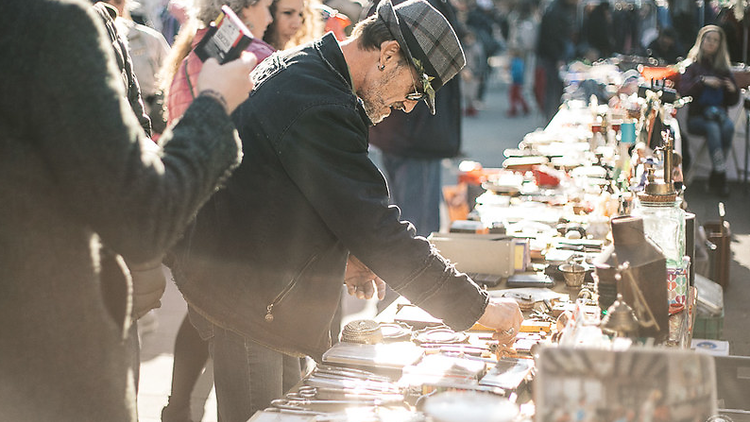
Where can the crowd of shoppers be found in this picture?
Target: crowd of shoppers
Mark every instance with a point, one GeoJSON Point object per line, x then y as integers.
{"type": "Point", "coordinates": [89, 199]}
{"type": "Point", "coordinates": [263, 268]}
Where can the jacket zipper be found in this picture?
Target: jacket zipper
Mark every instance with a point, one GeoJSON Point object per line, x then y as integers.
{"type": "Point", "coordinates": [287, 289]}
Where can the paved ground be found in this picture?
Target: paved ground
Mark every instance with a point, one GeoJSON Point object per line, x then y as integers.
{"type": "Point", "coordinates": [485, 138]}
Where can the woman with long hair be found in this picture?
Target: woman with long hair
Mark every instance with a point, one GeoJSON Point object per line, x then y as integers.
{"type": "Point", "coordinates": [191, 351]}
{"type": "Point", "coordinates": [709, 80]}
{"type": "Point", "coordinates": [178, 76]}
{"type": "Point", "coordinates": [295, 22]}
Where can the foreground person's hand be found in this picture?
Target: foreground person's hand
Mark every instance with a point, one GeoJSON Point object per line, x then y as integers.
{"type": "Point", "coordinates": [361, 281]}
{"type": "Point", "coordinates": [504, 316]}
{"type": "Point", "coordinates": [149, 283]}
{"type": "Point", "coordinates": [228, 83]}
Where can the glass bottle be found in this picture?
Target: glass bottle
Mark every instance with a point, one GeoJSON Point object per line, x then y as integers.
{"type": "Point", "coordinates": [664, 223]}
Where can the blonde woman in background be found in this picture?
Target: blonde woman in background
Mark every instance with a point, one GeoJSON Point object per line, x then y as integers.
{"type": "Point", "coordinates": [710, 82]}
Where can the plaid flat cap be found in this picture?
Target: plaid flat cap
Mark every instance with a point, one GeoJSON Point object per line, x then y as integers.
{"type": "Point", "coordinates": [428, 40]}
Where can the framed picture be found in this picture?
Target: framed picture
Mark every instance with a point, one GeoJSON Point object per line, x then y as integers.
{"type": "Point", "coordinates": [638, 384]}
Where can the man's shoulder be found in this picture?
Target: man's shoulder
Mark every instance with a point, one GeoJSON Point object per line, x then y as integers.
{"type": "Point", "coordinates": [149, 32]}
{"type": "Point", "coordinates": [299, 73]}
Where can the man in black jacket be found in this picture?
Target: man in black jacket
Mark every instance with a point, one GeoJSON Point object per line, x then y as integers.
{"type": "Point", "coordinates": [556, 46]}
{"type": "Point", "coordinates": [263, 268]}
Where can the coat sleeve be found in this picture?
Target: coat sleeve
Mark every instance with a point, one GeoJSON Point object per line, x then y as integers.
{"type": "Point", "coordinates": [690, 84]}
{"type": "Point", "coordinates": [332, 169]}
{"type": "Point", "coordinates": [731, 98]}
{"type": "Point", "coordinates": [138, 198]}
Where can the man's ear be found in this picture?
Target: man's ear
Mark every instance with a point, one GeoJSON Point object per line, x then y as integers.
{"type": "Point", "coordinates": [389, 52]}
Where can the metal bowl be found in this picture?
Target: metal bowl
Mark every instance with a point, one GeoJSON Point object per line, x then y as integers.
{"type": "Point", "coordinates": [573, 274]}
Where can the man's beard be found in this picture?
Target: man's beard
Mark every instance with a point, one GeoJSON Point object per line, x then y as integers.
{"type": "Point", "coordinates": [371, 109]}
{"type": "Point", "coordinates": [372, 97]}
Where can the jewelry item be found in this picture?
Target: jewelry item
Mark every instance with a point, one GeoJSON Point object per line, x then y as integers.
{"type": "Point", "coordinates": [381, 67]}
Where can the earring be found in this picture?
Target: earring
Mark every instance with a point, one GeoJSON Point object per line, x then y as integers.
{"type": "Point", "coordinates": [381, 67]}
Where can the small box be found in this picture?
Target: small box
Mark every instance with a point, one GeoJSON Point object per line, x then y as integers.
{"type": "Point", "coordinates": [468, 226]}
{"type": "Point", "coordinates": [478, 253]}
{"type": "Point", "coordinates": [531, 326]}
{"type": "Point", "coordinates": [711, 347]}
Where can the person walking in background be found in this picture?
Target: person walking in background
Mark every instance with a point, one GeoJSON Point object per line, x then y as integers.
{"type": "Point", "coordinates": [470, 74]}
{"type": "Point", "coordinates": [710, 82]}
{"type": "Point", "coordinates": [484, 21]}
{"type": "Point", "coordinates": [413, 146]}
{"type": "Point", "coordinates": [522, 38]}
{"type": "Point", "coordinates": [81, 190]}
{"type": "Point", "coordinates": [556, 46]}
{"type": "Point", "coordinates": [172, 17]}
{"type": "Point", "coordinates": [107, 14]}
{"type": "Point", "coordinates": [148, 50]}
{"type": "Point", "coordinates": [596, 31]}
{"type": "Point", "coordinates": [517, 73]}
{"type": "Point", "coordinates": [666, 48]}
{"type": "Point", "coordinates": [263, 268]}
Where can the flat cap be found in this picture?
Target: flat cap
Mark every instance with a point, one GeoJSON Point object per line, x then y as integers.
{"type": "Point", "coordinates": [429, 41]}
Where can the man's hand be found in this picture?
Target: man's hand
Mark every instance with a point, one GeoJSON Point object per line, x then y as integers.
{"type": "Point", "coordinates": [149, 283]}
{"type": "Point", "coordinates": [729, 85]}
{"type": "Point", "coordinates": [505, 317]}
{"type": "Point", "coordinates": [361, 281]}
{"type": "Point", "coordinates": [711, 81]}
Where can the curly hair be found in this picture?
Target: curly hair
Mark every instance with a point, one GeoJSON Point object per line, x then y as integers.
{"type": "Point", "coordinates": [312, 26]}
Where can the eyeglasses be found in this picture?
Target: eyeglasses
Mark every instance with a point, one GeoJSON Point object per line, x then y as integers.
{"type": "Point", "coordinates": [417, 95]}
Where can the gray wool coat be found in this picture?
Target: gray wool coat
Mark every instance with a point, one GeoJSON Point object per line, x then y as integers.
{"type": "Point", "coordinates": [78, 193]}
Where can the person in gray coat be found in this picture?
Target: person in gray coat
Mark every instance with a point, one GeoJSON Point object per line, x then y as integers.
{"type": "Point", "coordinates": [81, 192]}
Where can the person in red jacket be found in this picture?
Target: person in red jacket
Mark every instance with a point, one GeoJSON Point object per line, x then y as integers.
{"type": "Point", "coordinates": [179, 73]}
{"type": "Point", "coordinates": [182, 65]}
